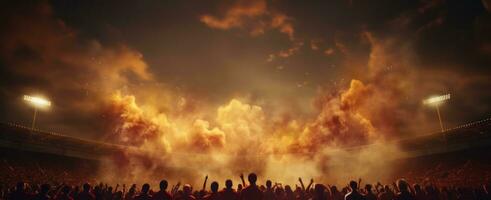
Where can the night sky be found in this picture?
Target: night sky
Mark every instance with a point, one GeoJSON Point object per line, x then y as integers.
{"type": "Point", "coordinates": [284, 56]}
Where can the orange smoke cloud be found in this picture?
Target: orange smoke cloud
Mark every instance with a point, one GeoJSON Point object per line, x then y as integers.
{"type": "Point", "coordinates": [254, 16]}
{"type": "Point", "coordinates": [240, 137]}
{"type": "Point", "coordinates": [204, 138]}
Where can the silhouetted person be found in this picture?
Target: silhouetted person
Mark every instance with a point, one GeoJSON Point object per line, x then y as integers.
{"type": "Point", "coordinates": [239, 188]}
{"type": "Point", "coordinates": [86, 194]}
{"type": "Point", "coordinates": [251, 192]}
{"type": "Point", "coordinates": [404, 193]}
{"type": "Point", "coordinates": [289, 193]}
{"type": "Point", "coordinates": [229, 193]}
{"type": "Point", "coordinates": [144, 193]}
{"type": "Point", "coordinates": [336, 194]}
{"type": "Point", "coordinates": [354, 194]}
{"type": "Point", "coordinates": [319, 192]}
{"type": "Point", "coordinates": [162, 194]}
{"type": "Point", "coordinates": [187, 193]}
{"type": "Point", "coordinates": [279, 193]}
{"type": "Point", "coordinates": [269, 193]}
{"type": "Point", "coordinates": [131, 193]}
{"type": "Point", "coordinates": [386, 193]}
{"type": "Point", "coordinates": [369, 193]}
{"type": "Point", "coordinates": [214, 195]}
{"type": "Point", "coordinates": [98, 192]}
{"type": "Point", "coordinates": [108, 193]}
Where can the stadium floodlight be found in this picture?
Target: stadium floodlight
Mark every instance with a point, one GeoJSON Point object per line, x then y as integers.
{"type": "Point", "coordinates": [37, 102]}
{"type": "Point", "coordinates": [436, 101]}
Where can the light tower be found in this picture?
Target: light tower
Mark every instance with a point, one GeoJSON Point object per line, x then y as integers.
{"type": "Point", "coordinates": [36, 102]}
{"type": "Point", "coordinates": [436, 101]}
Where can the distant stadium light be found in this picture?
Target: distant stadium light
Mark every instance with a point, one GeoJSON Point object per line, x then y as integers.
{"type": "Point", "coordinates": [436, 101]}
{"type": "Point", "coordinates": [37, 102]}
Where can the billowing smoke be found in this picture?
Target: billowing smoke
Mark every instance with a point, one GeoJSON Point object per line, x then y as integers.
{"type": "Point", "coordinates": [170, 134]}
{"type": "Point", "coordinates": [240, 137]}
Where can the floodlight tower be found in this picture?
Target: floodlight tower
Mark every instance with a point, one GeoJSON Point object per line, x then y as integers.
{"type": "Point", "coordinates": [36, 102]}
{"type": "Point", "coordinates": [436, 101]}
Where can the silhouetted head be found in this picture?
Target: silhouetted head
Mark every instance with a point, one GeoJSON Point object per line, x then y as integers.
{"type": "Point", "coordinates": [252, 178]}
{"type": "Point", "coordinates": [288, 189]}
{"type": "Point", "coordinates": [45, 188]}
{"type": "Point", "coordinates": [86, 187]}
{"type": "Point", "coordinates": [368, 187]}
{"type": "Point", "coordinates": [239, 187]}
{"type": "Point", "coordinates": [279, 191]}
{"type": "Point", "coordinates": [214, 186]}
{"type": "Point", "coordinates": [187, 189]}
{"type": "Point", "coordinates": [402, 185]}
{"type": "Point", "coordinates": [228, 184]}
{"type": "Point", "coordinates": [20, 186]}
{"type": "Point", "coordinates": [319, 190]}
{"type": "Point", "coordinates": [353, 185]}
{"type": "Point", "coordinates": [163, 184]}
{"type": "Point", "coordinates": [268, 184]}
{"type": "Point", "coordinates": [145, 188]}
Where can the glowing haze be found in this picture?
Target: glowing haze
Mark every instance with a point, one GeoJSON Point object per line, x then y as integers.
{"type": "Point", "coordinates": [246, 86]}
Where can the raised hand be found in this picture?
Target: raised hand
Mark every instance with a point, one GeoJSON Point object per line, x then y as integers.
{"type": "Point", "coordinates": [310, 184]}
{"type": "Point", "coordinates": [242, 179]}
{"type": "Point", "coordinates": [301, 183]}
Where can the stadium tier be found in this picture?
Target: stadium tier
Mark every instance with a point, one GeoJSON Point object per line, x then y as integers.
{"type": "Point", "coordinates": [21, 138]}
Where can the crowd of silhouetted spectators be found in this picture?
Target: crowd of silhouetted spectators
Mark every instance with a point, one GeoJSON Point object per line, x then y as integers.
{"type": "Point", "coordinates": [252, 190]}
{"type": "Point", "coordinates": [45, 179]}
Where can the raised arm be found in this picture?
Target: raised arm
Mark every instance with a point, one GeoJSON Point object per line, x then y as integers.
{"type": "Point", "coordinates": [176, 188]}
{"type": "Point", "coordinates": [310, 184]}
{"type": "Point", "coordinates": [243, 181]}
{"type": "Point", "coordinates": [204, 183]}
{"type": "Point", "coordinates": [301, 183]}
